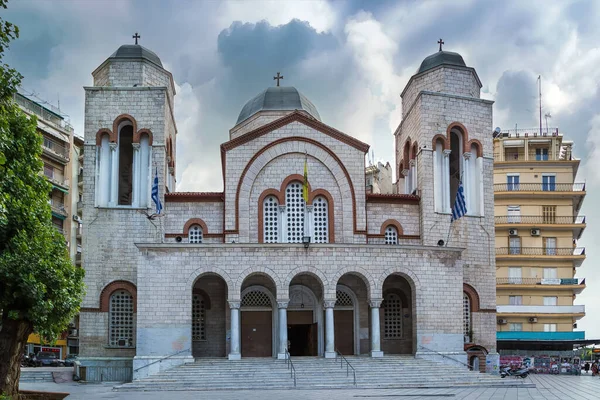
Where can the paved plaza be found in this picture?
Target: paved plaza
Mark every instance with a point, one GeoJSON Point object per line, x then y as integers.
{"type": "Point", "coordinates": [550, 387]}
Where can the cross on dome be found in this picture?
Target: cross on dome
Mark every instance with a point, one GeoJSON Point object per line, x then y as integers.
{"type": "Point", "coordinates": [277, 78]}
{"type": "Point", "coordinates": [440, 42]}
{"type": "Point", "coordinates": [136, 37]}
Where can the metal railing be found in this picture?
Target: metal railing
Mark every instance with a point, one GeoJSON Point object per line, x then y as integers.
{"type": "Point", "coordinates": [541, 251]}
{"type": "Point", "coordinates": [43, 112]}
{"type": "Point", "coordinates": [529, 132]}
{"type": "Point", "coordinates": [508, 156]}
{"type": "Point", "coordinates": [537, 281]}
{"type": "Point", "coordinates": [160, 360]}
{"type": "Point", "coordinates": [539, 187]}
{"type": "Point", "coordinates": [55, 147]}
{"type": "Point", "coordinates": [348, 365]}
{"type": "Point", "coordinates": [290, 365]}
{"type": "Point", "coordinates": [445, 356]}
{"type": "Point", "coordinates": [539, 219]}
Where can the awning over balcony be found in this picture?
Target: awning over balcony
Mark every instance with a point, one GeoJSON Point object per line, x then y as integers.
{"type": "Point", "coordinates": [540, 335]}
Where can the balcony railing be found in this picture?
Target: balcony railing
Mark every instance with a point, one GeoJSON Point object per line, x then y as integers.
{"type": "Point", "coordinates": [532, 157]}
{"type": "Point", "coordinates": [539, 219]}
{"type": "Point", "coordinates": [55, 147]}
{"type": "Point", "coordinates": [58, 208]}
{"type": "Point", "coordinates": [579, 309]}
{"type": "Point", "coordinates": [539, 187]}
{"type": "Point", "coordinates": [541, 251]}
{"type": "Point", "coordinates": [528, 132]}
{"type": "Point", "coordinates": [537, 281]}
{"type": "Point", "coordinates": [49, 116]}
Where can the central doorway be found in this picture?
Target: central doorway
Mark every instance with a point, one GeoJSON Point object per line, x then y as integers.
{"type": "Point", "coordinates": [304, 322]}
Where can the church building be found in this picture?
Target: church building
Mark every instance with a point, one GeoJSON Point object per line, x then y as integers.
{"type": "Point", "coordinates": [295, 255]}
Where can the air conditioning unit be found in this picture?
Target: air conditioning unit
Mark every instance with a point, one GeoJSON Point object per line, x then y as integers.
{"type": "Point", "coordinates": [535, 232]}
{"type": "Point", "coordinates": [502, 322]}
{"type": "Point", "coordinates": [533, 319]}
{"type": "Point", "coordinates": [76, 218]}
{"type": "Point", "coordinates": [513, 232]}
{"type": "Point", "coordinates": [122, 342]}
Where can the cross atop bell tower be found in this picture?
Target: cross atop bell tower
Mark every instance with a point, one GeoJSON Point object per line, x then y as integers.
{"type": "Point", "coordinates": [440, 42]}
{"type": "Point", "coordinates": [136, 37]}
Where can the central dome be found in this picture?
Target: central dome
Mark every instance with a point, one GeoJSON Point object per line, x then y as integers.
{"type": "Point", "coordinates": [441, 58]}
{"type": "Point", "coordinates": [135, 51]}
{"type": "Point", "coordinates": [278, 98]}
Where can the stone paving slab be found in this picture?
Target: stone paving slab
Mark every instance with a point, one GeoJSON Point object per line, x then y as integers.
{"type": "Point", "coordinates": [549, 387]}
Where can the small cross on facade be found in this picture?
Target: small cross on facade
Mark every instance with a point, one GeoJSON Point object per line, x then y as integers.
{"type": "Point", "coordinates": [277, 78]}
{"type": "Point", "coordinates": [136, 37]}
{"type": "Point", "coordinates": [440, 42]}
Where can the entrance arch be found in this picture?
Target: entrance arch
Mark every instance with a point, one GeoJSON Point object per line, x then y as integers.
{"type": "Point", "coordinates": [398, 319]}
{"type": "Point", "coordinates": [305, 322]}
{"type": "Point", "coordinates": [258, 322]}
{"type": "Point", "coordinates": [209, 316]}
{"type": "Point", "coordinates": [346, 321]}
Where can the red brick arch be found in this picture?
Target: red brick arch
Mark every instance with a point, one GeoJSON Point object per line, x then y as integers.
{"type": "Point", "coordinates": [463, 131]}
{"type": "Point", "coordinates": [138, 134]}
{"type": "Point", "coordinates": [477, 145]}
{"type": "Point", "coordinates": [473, 296]}
{"type": "Point", "coordinates": [111, 288]}
{"type": "Point", "coordinates": [194, 221]}
{"type": "Point", "coordinates": [444, 140]}
{"type": "Point", "coordinates": [102, 132]}
{"type": "Point", "coordinates": [121, 118]}
{"type": "Point", "coordinates": [394, 223]}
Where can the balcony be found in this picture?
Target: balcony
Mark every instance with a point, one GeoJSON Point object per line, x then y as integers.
{"type": "Point", "coordinates": [575, 191]}
{"type": "Point", "coordinates": [575, 254]}
{"type": "Point", "coordinates": [80, 180]}
{"type": "Point", "coordinates": [525, 311]}
{"type": "Point", "coordinates": [78, 259]}
{"type": "Point", "coordinates": [58, 208]}
{"type": "Point", "coordinates": [55, 150]}
{"type": "Point", "coordinates": [507, 335]}
{"type": "Point", "coordinates": [576, 223]}
{"type": "Point", "coordinates": [54, 118]}
{"type": "Point", "coordinates": [572, 284]}
{"type": "Point", "coordinates": [59, 229]}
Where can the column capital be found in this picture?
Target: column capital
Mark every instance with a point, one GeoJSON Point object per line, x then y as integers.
{"type": "Point", "coordinates": [467, 155]}
{"type": "Point", "coordinates": [234, 304]}
{"type": "Point", "coordinates": [405, 172]}
{"type": "Point", "coordinates": [309, 208]}
{"type": "Point", "coordinates": [447, 152]}
{"type": "Point", "coordinates": [136, 146]}
{"type": "Point", "coordinates": [281, 208]}
{"type": "Point", "coordinates": [375, 303]}
{"type": "Point", "coordinates": [328, 303]}
{"type": "Point", "coordinates": [113, 146]}
{"type": "Point", "coordinates": [282, 303]}
{"type": "Point", "coordinates": [412, 162]}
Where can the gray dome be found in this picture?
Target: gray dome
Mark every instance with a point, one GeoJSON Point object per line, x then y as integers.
{"type": "Point", "coordinates": [135, 51]}
{"type": "Point", "coordinates": [278, 98]}
{"type": "Point", "coordinates": [441, 58]}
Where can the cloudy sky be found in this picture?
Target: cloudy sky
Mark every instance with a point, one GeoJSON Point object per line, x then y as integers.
{"type": "Point", "coordinates": [351, 58]}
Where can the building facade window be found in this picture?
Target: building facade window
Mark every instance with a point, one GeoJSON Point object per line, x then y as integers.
{"type": "Point", "coordinates": [343, 299]}
{"type": "Point", "coordinates": [391, 235]}
{"type": "Point", "coordinates": [320, 220]}
{"type": "Point", "coordinates": [294, 206]}
{"type": "Point", "coordinates": [270, 220]}
{"type": "Point", "coordinates": [514, 214]}
{"type": "Point", "coordinates": [467, 318]}
{"type": "Point", "coordinates": [121, 319]}
{"type": "Point", "coordinates": [198, 317]}
{"type": "Point", "coordinates": [392, 317]}
{"type": "Point", "coordinates": [515, 275]}
{"type": "Point", "coordinates": [512, 182]}
{"type": "Point", "coordinates": [125, 175]}
{"type": "Point", "coordinates": [550, 246]}
{"type": "Point", "coordinates": [548, 182]}
{"type": "Point", "coordinates": [515, 327]}
{"type": "Point", "coordinates": [195, 234]}
{"type": "Point", "coordinates": [550, 300]}
{"type": "Point", "coordinates": [515, 300]}
{"type": "Point", "coordinates": [514, 245]}
{"type": "Point", "coordinates": [549, 327]}
{"type": "Point", "coordinates": [549, 214]}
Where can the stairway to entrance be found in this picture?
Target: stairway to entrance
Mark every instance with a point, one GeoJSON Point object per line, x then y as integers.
{"type": "Point", "coordinates": [316, 373]}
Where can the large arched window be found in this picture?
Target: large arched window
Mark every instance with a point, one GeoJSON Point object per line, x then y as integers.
{"type": "Point", "coordinates": [294, 206]}
{"type": "Point", "coordinates": [195, 234]}
{"type": "Point", "coordinates": [103, 170]}
{"type": "Point", "coordinates": [320, 220]}
{"type": "Point", "coordinates": [456, 164]}
{"type": "Point", "coordinates": [270, 220]}
{"type": "Point", "coordinates": [120, 319]}
{"type": "Point", "coordinates": [125, 175]}
{"type": "Point", "coordinates": [467, 318]}
{"type": "Point", "coordinates": [392, 316]}
{"type": "Point", "coordinates": [391, 235]}
{"type": "Point", "coordinates": [198, 317]}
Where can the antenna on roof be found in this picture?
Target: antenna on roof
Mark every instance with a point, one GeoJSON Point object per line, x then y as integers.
{"type": "Point", "coordinates": [540, 91]}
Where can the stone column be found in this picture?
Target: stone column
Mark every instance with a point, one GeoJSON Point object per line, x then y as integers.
{"type": "Point", "coordinates": [329, 329]}
{"type": "Point", "coordinates": [446, 180]}
{"type": "Point", "coordinates": [413, 175]}
{"type": "Point", "coordinates": [114, 175]}
{"type": "Point", "coordinates": [405, 173]}
{"type": "Point", "coordinates": [283, 337]}
{"type": "Point", "coordinates": [234, 351]}
{"type": "Point", "coordinates": [135, 198]}
{"type": "Point", "coordinates": [466, 180]}
{"type": "Point", "coordinates": [375, 330]}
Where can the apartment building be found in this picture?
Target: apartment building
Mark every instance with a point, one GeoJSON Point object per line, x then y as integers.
{"type": "Point", "coordinates": [537, 202]}
{"type": "Point", "coordinates": [62, 154]}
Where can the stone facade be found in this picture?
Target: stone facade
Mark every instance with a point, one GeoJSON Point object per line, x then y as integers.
{"type": "Point", "coordinates": [264, 297]}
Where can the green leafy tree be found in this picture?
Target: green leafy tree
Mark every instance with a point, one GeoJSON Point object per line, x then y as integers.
{"type": "Point", "coordinates": [40, 289]}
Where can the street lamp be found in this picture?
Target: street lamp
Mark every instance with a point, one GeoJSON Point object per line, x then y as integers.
{"type": "Point", "coordinates": [306, 241]}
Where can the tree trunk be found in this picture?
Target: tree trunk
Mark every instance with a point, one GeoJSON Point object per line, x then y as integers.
{"type": "Point", "coordinates": [13, 338]}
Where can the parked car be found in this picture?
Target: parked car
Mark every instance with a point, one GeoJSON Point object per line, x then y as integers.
{"type": "Point", "coordinates": [48, 359]}
{"type": "Point", "coordinates": [70, 360]}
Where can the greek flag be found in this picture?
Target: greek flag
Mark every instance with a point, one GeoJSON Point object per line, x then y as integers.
{"type": "Point", "coordinates": [155, 198]}
{"type": "Point", "coordinates": [460, 207]}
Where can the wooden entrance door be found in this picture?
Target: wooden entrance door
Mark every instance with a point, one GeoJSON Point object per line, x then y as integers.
{"type": "Point", "coordinates": [344, 331]}
{"type": "Point", "coordinates": [257, 333]}
{"type": "Point", "coordinates": [313, 339]}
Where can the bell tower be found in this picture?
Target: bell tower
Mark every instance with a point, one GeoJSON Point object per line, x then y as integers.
{"type": "Point", "coordinates": [445, 142]}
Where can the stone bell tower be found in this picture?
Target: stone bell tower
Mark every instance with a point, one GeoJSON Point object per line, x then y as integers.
{"type": "Point", "coordinates": [129, 139]}
{"type": "Point", "coordinates": [443, 142]}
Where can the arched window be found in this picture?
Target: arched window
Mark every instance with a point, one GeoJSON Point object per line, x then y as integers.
{"type": "Point", "coordinates": [125, 176]}
{"type": "Point", "coordinates": [195, 234]}
{"type": "Point", "coordinates": [120, 319]}
{"type": "Point", "coordinates": [270, 220]}
{"type": "Point", "coordinates": [391, 235]}
{"type": "Point", "coordinates": [467, 317]}
{"type": "Point", "coordinates": [103, 171]}
{"type": "Point", "coordinates": [440, 175]}
{"type": "Point", "coordinates": [320, 220]}
{"type": "Point", "coordinates": [294, 205]}
{"type": "Point", "coordinates": [392, 316]}
{"type": "Point", "coordinates": [456, 164]}
{"type": "Point", "coordinates": [198, 317]}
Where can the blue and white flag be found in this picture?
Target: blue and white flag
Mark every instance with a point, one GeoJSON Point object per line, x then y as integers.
{"type": "Point", "coordinates": [155, 198]}
{"type": "Point", "coordinates": [460, 206]}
